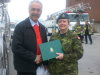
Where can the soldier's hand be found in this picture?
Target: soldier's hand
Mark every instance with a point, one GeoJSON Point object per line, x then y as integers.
{"type": "Point", "coordinates": [60, 56]}
{"type": "Point", "coordinates": [38, 59]}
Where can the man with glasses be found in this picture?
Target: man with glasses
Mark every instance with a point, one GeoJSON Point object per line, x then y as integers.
{"type": "Point", "coordinates": [27, 36]}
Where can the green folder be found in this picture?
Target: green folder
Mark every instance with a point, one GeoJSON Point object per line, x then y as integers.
{"type": "Point", "coordinates": [49, 49]}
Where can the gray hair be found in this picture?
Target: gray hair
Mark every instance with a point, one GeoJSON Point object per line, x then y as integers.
{"type": "Point", "coordinates": [35, 1]}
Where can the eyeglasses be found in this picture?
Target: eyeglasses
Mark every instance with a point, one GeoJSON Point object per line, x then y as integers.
{"type": "Point", "coordinates": [36, 9]}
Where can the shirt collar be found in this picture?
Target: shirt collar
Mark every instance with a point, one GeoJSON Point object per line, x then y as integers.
{"type": "Point", "coordinates": [33, 23]}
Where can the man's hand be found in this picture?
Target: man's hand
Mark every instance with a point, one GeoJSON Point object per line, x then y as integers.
{"type": "Point", "coordinates": [60, 56]}
{"type": "Point", "coordinates": [38, 59]}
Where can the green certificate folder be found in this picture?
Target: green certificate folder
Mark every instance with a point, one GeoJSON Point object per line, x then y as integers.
{"type": "Point", "coordinates": [49, 49]}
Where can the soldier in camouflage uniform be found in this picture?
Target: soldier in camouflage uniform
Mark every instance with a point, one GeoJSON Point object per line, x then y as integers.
{"type": "Point", "coordinates": [88, 32]}
{"type": "Point", "coordinates": [67, 63]}
{"type": "Point", "coordinates": [79, 30]}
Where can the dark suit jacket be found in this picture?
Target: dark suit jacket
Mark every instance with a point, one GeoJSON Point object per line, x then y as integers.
{"type": "Point", "coordinates": [24, 46]}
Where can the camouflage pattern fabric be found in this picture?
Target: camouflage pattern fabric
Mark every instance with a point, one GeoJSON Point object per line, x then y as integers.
{"type": "Point", "coordinates": [90, 28]}
{"type": "Point", "coordinates": [73, 51]}
{"type": "Point", "coordinates": [79, 29]}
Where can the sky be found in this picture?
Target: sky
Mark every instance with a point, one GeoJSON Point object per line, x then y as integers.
{"type": "Point", "coordinates": [18, 9]}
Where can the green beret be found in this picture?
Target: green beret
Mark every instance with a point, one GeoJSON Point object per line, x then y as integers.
{"type": "Point", "coordinates": [63, 16]}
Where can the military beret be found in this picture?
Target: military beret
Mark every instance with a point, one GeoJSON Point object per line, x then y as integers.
{"type": "Point", "coordinates": [63, 16]}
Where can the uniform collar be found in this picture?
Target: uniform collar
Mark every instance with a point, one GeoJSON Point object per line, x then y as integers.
{"type": "Point", "coordinates": [64, 33]}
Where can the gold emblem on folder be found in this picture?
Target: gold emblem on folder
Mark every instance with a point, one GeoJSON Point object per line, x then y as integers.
{"type": "Point", "coordinates": [51, 50]}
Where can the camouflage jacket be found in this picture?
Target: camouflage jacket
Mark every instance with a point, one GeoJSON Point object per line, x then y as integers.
{"type": "Point", "coordinates": [79, 29]}
{"type": "Point", "coordinates": [73, 51]}
{"type": "Point", "coordinates": [90, 28]}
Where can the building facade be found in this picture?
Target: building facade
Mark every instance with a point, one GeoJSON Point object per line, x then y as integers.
{"type": "Point", "coordinates": [94, 10]}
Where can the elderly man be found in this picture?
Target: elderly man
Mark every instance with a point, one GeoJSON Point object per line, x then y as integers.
{"type": "Point", "coordinates": [27, 36]}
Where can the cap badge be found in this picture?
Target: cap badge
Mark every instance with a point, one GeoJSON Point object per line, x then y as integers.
{"type": "Point", "coordinates": [63, 15]}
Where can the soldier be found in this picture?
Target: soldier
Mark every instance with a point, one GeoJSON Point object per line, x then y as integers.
{"type": "Point", "coordinates": [67, 63]}
{"type": "Point", "coordinates": [88, 32]}
{"type": "Point", "coordinates": [79, 30]}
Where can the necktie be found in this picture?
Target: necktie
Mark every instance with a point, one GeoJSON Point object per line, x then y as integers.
{"type": "Point", "coordinates": [38, 38]}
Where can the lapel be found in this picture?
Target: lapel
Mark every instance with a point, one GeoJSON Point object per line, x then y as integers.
{"type": "Point", "coordinates": [29, 31]}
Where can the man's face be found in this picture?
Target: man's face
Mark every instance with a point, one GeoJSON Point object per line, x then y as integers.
{"type": "Point", "coordinates": [35, 11]}
{"type": "Point", "coordinates": [63, 24]}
